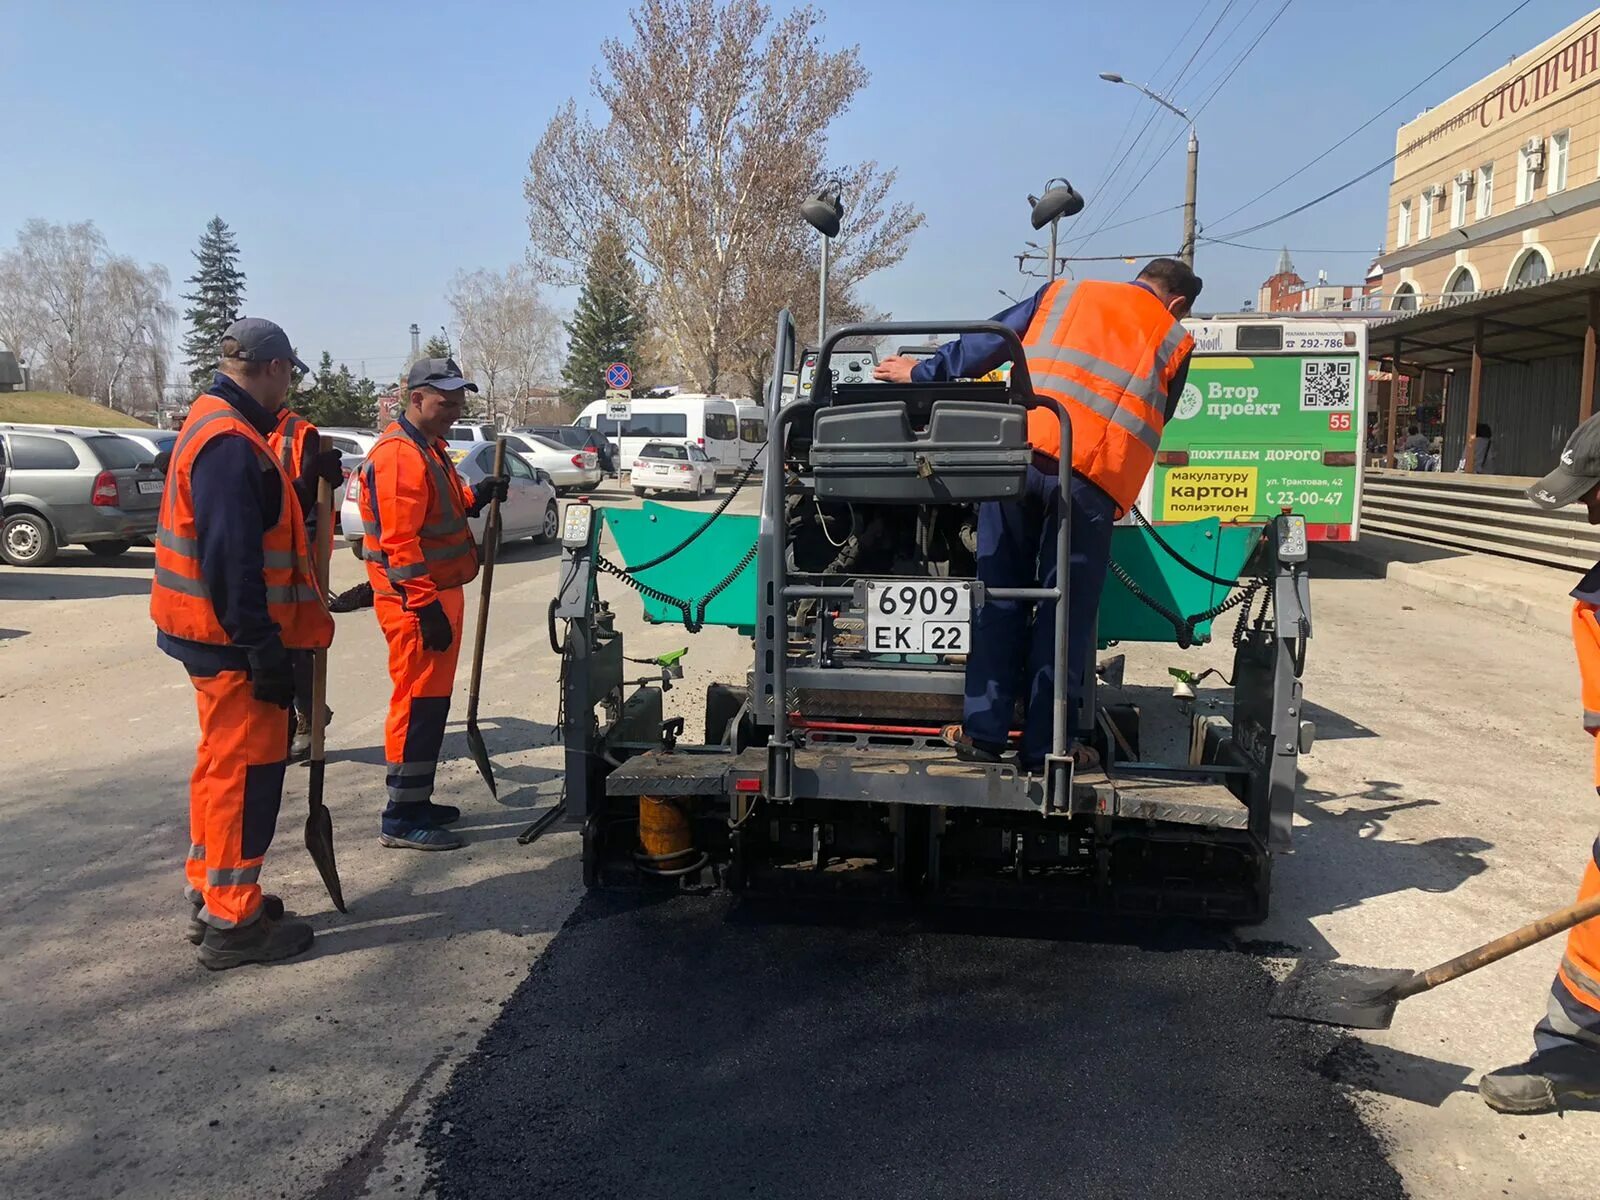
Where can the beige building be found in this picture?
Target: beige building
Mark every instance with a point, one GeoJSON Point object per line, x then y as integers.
{"type": "Point", "coordinates": [1500, 184]}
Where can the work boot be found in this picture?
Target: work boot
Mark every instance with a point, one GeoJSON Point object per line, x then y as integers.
{"type": "Point", "coordinates": [1538, 1086]}
{"type": "Point", "coordinates": [271, 908]}
{"type": "Point", "coordinates": [262, 941]}
{"type": "Point", "coordinates": [300, 744]}
{"type": "Point", "coordinates": [440, 815]}
{"type": "Point", "coordinates": [423, 837]}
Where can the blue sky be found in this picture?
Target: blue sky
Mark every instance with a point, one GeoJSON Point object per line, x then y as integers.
{"type": "Point", "coordinates": [363, 152]}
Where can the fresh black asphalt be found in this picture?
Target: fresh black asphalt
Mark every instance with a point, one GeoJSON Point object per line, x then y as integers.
{"type": "Point", "coordinates": [697, 1047]}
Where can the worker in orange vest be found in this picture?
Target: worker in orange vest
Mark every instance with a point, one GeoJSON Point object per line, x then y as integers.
{"type": "Point", "coordinates": [1115, 357]}
{"type": "Point", "coordinates": [298, 446]}
{"type": "Point", "coordinates": [420, 554]}
{"type": "Point", "coordinates": [234, 594]}
{"type": "Point", "coordinates": [1566, 1044]}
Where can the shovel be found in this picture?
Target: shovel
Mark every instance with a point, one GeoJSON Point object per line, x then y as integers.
{"type": "Point", "coordinates": [1333, 993]}
{"type": "Point", "coordinates": [491, 540]}
{"type": "Point", "coordinates": [319, 822]}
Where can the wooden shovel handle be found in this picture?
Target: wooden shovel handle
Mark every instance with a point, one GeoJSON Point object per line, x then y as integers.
{"type": "Point", "coordinates": [491, 535]}
{"type": "Point", "coordinates": [322, 555]}
{"type": "Point", "coordinates": [1520, 939]}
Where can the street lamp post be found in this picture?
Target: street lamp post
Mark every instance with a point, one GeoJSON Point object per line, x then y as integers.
{"type": "Point", "coordinates": [823, 211]}
{"type": "Point", "coordinates": [1059, 200]}
{"type": "Point", "coordinates": [1187, 253]}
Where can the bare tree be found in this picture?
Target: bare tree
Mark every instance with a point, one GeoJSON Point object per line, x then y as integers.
{"type": "Point", "coordinates": [133, 331]}
{"type": "Point", "coordinates": [61, 267]}
{"type": "Point", "coordinates": [508, 334]}
{"type": "Point", "coordinates": [716, 122]}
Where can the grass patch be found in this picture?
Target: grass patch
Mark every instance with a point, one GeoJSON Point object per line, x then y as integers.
{"type": "Point", "coordinates": [58, 408]}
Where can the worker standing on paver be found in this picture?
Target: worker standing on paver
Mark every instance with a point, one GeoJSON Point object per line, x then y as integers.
{"type": "Point", "coordinates": [1566, 1058]}
{"type": "Point", "coordinates": [1116, 357]}
{"type": "Point", "coordinates": [298, 446]}
{"type": "Point", "coordinates": [234, 593]}
{"type": "Point", "coordinates": [420, 554]}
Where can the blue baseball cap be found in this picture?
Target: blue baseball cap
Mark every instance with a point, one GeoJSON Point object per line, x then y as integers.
{"type": "Point", "coordinates": [440, 374]}
{"type": "Point", "coordinates": [261, 340]}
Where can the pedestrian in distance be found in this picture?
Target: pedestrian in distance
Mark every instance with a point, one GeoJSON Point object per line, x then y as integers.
{"type": "Point", "coordinates": [234, 595]}
{"type": "Point", "coordinates": [420, 555]}
{"type": "Point", "coordinates": [298, 446]}
{"type": "Point", "coordinates": [1566, 1043]}
{"type": "Point", "coordinates": [1115, 356]}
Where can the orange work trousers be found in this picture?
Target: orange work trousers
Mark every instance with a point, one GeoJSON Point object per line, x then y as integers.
{"type": "Point", "coordinates": [234, 796]}
{"type": "Point", "coordinates": [418, 707]}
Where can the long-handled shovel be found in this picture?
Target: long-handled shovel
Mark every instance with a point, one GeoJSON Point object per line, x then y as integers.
{"type": "Point", "coordinates": [1334, 993]}
{"type": "Point", "coordinates": [491, 540]}
{"type": "Point", "coordinates": [319, 822]}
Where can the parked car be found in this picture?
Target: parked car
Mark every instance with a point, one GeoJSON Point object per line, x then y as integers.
{"type": "Point", "coordinates": [530, 509]}
{"type": "Point", "coordinates": [581, 438]}
{"type": "Point", "coordinates": [93, 489]}
{"type": "Point", "coordinates": [673, 467]}
{"type": "Point", "coordinates": [472, 431]}
{"type": "Point", "coordinates": [157, 441]}
{"type": "Point", "coordinates": [568, 467]}
{"type": "Point", "coordinates": [710, 422]}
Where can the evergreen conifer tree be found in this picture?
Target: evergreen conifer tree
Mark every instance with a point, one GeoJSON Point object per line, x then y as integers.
{"type": "Point", "coordinates": [608, 321]}
{"type": "Point", "coordinates": [215, 302]}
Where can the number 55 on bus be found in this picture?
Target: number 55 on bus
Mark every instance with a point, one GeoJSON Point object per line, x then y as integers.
{"type": "Point", "coordinates": [1271, 417]}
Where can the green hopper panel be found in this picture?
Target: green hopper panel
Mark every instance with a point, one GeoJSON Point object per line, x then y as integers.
{"type": "Point", "coordinates": [642, 533]}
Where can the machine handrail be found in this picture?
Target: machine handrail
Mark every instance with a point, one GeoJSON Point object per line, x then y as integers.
{"type": "Point", "coordinates": [1021, 381]}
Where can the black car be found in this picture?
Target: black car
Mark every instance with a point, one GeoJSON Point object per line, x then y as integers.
{"type": "Point", "coordinates": [579, 438]}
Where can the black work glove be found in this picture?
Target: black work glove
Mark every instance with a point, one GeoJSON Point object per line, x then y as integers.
{"type": "Point", "coordinates": [490, 487]}
{"type": "Point", "coordinates": [435, 627]}
{"type": "Point", "coordinates": [330, 466]}
{"type": "Point", "coordinates": [163, 461]}
{"type": "Point", "coordinates": [272, 679]}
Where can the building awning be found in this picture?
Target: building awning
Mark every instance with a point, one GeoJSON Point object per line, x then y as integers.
{"type": "Point", "coordinates": [1520, 324]}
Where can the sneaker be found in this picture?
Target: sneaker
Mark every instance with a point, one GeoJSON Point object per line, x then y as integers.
{"type": "Point", "coordinates": [261, 941]}
{"type": "Point", "coordinates": [1526, 1089]}
{"type": "Point", "coordinates": [271, 909]}
{"type": "Point", "coordinates": [421, 838]}
{"type": "Point", "coordinates": [440, 815]}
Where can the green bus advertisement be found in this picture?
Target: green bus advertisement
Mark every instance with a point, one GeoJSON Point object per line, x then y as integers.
{"type": "Point", "coordinates": [1271, 418]}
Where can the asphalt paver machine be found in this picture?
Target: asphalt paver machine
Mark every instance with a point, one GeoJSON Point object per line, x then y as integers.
{"type": "Point", "coordinates": [822, 768]}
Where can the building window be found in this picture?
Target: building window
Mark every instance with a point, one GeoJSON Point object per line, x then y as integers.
{"type": "Point", "coordinates": [1425, 216]}
{"type": "Point", "coordinates": [1530, 268]}
{"type": "Point", "coordinates": [1527, 173]}
{"type": "Point", "coordinates": [1403, 234]}
{"type": "Point", "coordinates": [1461, 283]}
{"type": "Point", "coordinates": [1485, 190]}
{"type": "Point", "coordinates": [1458, 205]}
{"type": "Point", "coordinates": [1405, 298]}
{"type": "Point", "coordinates": [1556, 176]}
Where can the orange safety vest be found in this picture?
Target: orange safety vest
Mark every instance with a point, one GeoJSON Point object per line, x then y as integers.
{"type": "Point", "coordinates": [1107, 352]}
{"type": "Point", "coordinates": [1586, 641]}
{"type": "Point", "coordinates": [288, 441]}
{"type": "Point", "coordinates": [180, 601]}
{"type": "Point", "coordinates": [442, 548]}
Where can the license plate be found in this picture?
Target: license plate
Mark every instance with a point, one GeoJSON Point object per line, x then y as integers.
{"type": "Point", "coordinates": [919, 618]}
{"type": "Point", "coordinates": [149, 487]}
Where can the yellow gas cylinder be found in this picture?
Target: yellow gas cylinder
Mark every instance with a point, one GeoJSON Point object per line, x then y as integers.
{"type": "Point", "coordinates": [664, 831]}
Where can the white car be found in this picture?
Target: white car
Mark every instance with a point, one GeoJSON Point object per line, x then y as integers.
{"type": "Point", "coordinates": [673, 467]}
{"type": "Point", "coordinates": [530, 509]}
{"type": "Point", "coordinates": [569, 468]}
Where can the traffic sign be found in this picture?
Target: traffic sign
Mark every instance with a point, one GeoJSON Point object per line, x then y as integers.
{"type": "Point", "coordinates": [619, 404]}
{"type": "Point", "coordinates": [618, 375]}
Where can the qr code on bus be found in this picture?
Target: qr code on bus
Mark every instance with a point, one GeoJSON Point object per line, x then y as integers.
{"type": "Point", "coordinates": [1327, 385]}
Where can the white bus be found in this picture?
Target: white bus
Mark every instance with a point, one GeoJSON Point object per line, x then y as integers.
{"type": "Point", "coordinates": [752, 432]}
{"type": "Point", "coordinates": [710, 422]}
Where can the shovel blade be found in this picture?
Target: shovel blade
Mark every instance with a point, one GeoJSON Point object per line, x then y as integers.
{"type": "Point", "coordinates": [1335, 993]}
{"type": "Point", "coordinates": [480, 755]}
{"type": "Point", "coordinates": [319, 839]}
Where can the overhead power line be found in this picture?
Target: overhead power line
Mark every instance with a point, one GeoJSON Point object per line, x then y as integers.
{"type": "Point", "coordinates": [1426, 79]}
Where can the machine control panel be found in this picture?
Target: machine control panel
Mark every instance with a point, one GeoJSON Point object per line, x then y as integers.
{"type": "Point", "coordinates": [1291, 538]}
{"type": "Point", "coordinates": [848, 366]}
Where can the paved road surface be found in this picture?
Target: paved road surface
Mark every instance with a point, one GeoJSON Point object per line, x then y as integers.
{"type": "Point", "coordinates": [476, 1022]}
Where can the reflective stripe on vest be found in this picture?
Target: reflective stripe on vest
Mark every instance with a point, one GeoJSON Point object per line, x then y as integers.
{"type": "Point", "coordinates": [286, 438]}
{"type": "Point", "coordinates": [180, 599]}
{"type": "Point", "coordinates": [1107, 352]}
{"type": "Point", "coordinates": [444, 537]}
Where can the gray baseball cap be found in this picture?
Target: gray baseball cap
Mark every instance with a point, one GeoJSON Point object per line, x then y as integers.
{"type": "Point", "coordinates": [1578, 472]}
{"type": "Point", "coordinates": [441, 374]}
{"type": "Point", "coordinates": [261, 340]}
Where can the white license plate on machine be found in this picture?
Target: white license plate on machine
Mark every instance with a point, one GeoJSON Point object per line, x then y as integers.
{"type": "Point", "coordinates": [150, 487]}
{"type": "Point", "coordinates": [919, 618]}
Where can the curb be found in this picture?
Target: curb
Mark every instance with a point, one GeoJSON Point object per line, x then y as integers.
{"type": "Point", "coordinates": [1458, 591]}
